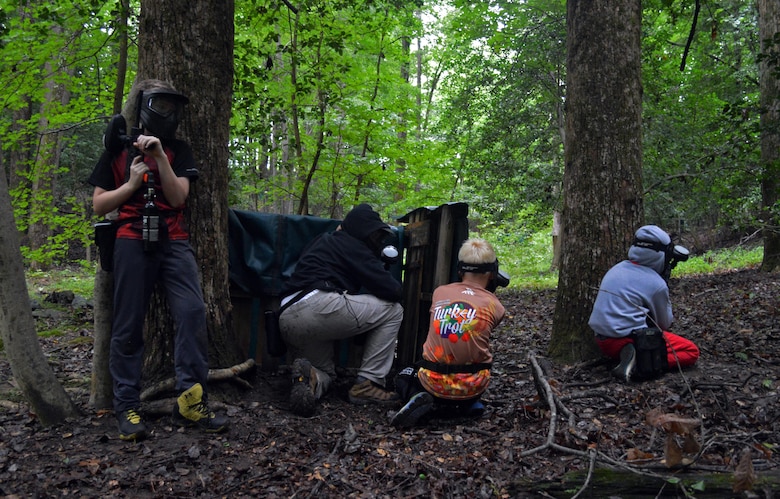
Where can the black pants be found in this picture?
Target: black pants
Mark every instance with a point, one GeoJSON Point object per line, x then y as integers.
{"type": "Point", "coordinates": [135, 274]}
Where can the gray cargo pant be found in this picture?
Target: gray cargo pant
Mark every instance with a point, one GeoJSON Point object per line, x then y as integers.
{"type": "Point", "coordinates": [311, 326]}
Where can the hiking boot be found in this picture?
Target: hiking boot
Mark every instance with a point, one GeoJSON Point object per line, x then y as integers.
{"type": "Point", "coordinates": [191, 410]}
{"type": "Point", "coordinates": [131, 426]}
{"type": "Point", "coordinates": [418, 406]}
{"type": "Point", "coordinates": [625, 370]}
{"type": "Point", "coordinates": [370, 393]}
{"type": "Point", "coordinates": [303, 401]}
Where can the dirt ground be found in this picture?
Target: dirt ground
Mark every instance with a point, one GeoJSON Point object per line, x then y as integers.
{"type": "Point", "coordinates": [597, 441]}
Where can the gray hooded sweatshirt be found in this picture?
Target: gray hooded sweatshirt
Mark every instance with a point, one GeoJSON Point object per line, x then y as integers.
{"type": "Point", "coordinates": [633, 295]}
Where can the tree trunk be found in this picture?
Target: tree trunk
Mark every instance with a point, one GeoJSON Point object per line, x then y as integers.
{"type": "Point", "coordinates": [101, 392]}
{"type": "Point", "coordinates": [190, 44]}
{"type": "Point", "coordinates": [42, 175]}
{"type": "Point", "coordinates": [769, 75]}
{"type": "Point", "coordinates": [602, 182]}
{"type": "Point", "coordinates": [17, 327]}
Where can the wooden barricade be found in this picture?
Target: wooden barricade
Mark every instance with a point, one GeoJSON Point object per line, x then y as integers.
{"type": "Point", "coordinates": [432, 239]}
{"type": "Point", "coordinates": [266, 245]}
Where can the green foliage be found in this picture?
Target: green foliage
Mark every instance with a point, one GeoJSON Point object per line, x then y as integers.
{"type": "Point", "coordinates": [525, 255]}
{"type": "Point", "coordinates": [721, 260]}
{"type": "Point", "coordinates": [329, 111]}
{"type": "Point", "coordinates": [58, 64]}
{"type": "Point", "coordinates": [500, 107]}
{"type": "Point", "coordinates": [700, 115]}
{"type": "Point", "coordinates": [80, 279]}
{"type": "Point", "coordinates": [327, 83]}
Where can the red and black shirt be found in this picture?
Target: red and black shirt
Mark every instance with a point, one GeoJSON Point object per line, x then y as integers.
{"type": "Point", "coordinates": [110, 172]}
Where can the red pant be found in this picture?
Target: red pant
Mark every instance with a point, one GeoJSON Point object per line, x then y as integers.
{"type": "Point", "coordinates": [678, 349]}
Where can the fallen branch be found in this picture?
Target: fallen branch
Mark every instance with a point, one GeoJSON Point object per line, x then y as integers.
{"type": "Point", "coordinates": [591, 467]}
{"type": "Point", "coordinates": [230, 373]}
{"type": "Point", "coordinates": [546, 393]}
{"type": "Point", "coordinates": [593, 455]}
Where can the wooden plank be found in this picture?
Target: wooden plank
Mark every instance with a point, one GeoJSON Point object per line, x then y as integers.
{"type": "Point", "coordinates": [444, 255]}
{"type": "Point", "coordinates": [417, 234]}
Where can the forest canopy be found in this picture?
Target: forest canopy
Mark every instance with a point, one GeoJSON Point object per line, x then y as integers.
{"type": "Point", "coordinates": [397, 104]}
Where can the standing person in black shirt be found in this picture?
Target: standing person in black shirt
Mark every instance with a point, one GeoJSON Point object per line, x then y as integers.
{"type": "Point", "coordinates": [145, 179]}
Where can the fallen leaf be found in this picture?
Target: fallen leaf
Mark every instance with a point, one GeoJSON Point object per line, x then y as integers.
{"type": "Point", "coordinates": [744, 475]}
{"type": "Point", "coordinates": [690, 444]}
{"type": "Point", "coordinates": [635, 454]}
{"type": "Point", "coordinates": [93, 465]}
{"type": "Point", "coordinates": [672, 452]}
{"type": "Point", "coordinates": [672, 422]}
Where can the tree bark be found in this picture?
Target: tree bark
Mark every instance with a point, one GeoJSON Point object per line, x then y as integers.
{"type": "Point", "coordinates": [190, 44]}
{"type": "Point", "coordinates": [17, 327]}
{"type": "Point", "coordinates": [101, 394]}
{"type": "Point", "coordinates": [101, 390]}
{"type": "Point", "coordinates": [602, 182]}
{"type": "Point", "coordinates": [769, 77]}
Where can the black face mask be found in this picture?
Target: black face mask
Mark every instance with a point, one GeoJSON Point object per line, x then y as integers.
{"type": "Point", "coordinates": [673, 254]}
{"type": "Point", "coordinates": [160, 112]}
{"type": "Point", "coordinates": [377, 240]}
{"type": "Point", "coordinates": [500, 279]}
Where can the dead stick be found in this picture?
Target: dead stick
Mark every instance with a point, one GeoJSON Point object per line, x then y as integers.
{"type": "Point", "coordinates": [591, 467]}
{"type": "Point", "coordinates": [547, 395]}
{"type": "Point", "coordinates": [214, 375]}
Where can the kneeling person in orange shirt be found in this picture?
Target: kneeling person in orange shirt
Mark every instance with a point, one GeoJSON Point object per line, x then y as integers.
{"type": "Point", "coordinates": [455, 368]}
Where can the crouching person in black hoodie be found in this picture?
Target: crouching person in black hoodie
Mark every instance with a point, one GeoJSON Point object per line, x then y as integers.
{"type": "Point", "coordinates": [321, 305]}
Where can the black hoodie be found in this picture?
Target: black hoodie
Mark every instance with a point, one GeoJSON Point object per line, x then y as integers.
{"type": "Point", "coordinates": [346, 260]}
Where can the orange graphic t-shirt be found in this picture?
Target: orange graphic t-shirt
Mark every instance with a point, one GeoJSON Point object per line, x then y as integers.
{"type": "Point", "coordinates": [462, 318]}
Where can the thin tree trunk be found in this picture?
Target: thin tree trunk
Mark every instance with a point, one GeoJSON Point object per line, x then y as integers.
{"type": "Point", "coordinates": [101, 391]}
{"type": "Point", "coordinates": [17, 328]}
{"type": "Point", "coordinates": [769, 75]}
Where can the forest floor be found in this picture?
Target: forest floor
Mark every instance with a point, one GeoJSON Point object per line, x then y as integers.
{"type": "Point", "coordinates": [601, 439]}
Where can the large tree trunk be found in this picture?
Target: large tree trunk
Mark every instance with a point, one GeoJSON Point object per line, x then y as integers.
{"type": "Point", "coordinates": [603, 149]}
{"type": "Point", "coordinates": [769, 75]}
{"type": "Point", "coordinates": [190, 44]}
{"type": "Point", "coordinates": [17, 327]}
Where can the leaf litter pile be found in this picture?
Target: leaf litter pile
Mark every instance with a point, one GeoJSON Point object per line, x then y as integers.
{"type": "Point", "coordinates": [549, 430]}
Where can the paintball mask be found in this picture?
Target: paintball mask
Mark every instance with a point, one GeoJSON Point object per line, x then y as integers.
{"type": "Point", "coordinates": [673, 254]}
{"type": "Point", "coordinates": [389, 256]}
{"type": "Point", "coordinates": [500, 278]}
{"type": "Point", "coordinates": [160, 111]}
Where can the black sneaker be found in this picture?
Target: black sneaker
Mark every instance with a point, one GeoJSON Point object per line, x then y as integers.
{"type": "Point", "coordinates": [191, 410]}
{"type": "Point", "coordinates": [303, 401]}
{"type": "Point", "coordinates": [131, 426]}
{"type": "Point", "coordinates": [417, 407]}
{"type": "Point", "coordinates": [625, 370]}
{"type": "Point", "coordinates": [476, 410]}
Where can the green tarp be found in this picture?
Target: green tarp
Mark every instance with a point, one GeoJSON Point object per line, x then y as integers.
{"type": "Point", "coordinates": [264, 248]}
